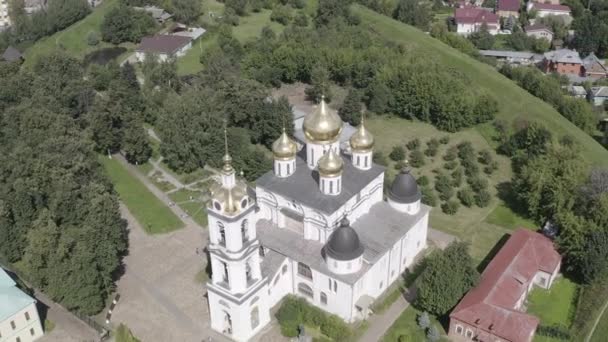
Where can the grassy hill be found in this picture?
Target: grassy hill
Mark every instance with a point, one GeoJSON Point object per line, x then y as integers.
{"type": "Point", "coordinates": [513, 101]}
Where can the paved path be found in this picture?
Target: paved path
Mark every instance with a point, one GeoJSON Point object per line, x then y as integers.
{"type": "Point", "coordinates": [68, 328]}
{"type": "Point", "coordinates": [439, 238]}
{"type": "Point", "coordinates": [597, 321]}
{"type": "Point", "coordinates": [379, 324]}
{"type": "Point", "coordinates": [166, 175]}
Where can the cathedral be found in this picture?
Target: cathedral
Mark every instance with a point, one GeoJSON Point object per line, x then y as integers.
{"type": "Point", "coordinates": [318, 226]}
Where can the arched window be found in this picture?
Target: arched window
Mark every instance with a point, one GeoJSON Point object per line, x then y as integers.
{"type": "Point", "coordinates": [335, 286]}
{"type": "Point", "coordinates": [323, 298]}
{"type": "Point", "coordinates": [459, 329]}
{"type": "Point", "coordinates": [244, 230]}
{"type": "Point", "coordinates": [284, 269]}
{"type": "Point", "coordinates": [220, 225]}
{"type": "Point", "coordinates": [261, 251]}
{"type": "Point", "coordinates": [248, 272]}
{"type": "Point", "coordinates": [255, 318]}
{"type": "Point", "coordinates": [288, 169]}
{"type": "Point", "coordinates": [366, 161]}
{"type": "Point", "coordinates": [305, 290]}
{"type": "Point", "coordinates": [304, 271]}
{"type": "Point", "coordinates": [227, 324]}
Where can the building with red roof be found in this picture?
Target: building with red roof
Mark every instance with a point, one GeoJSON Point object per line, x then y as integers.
{"type": "Point", "coordinates": [507, 8]}
{"type": "Point", "coordinates": [471, 19]}
{"type": "Point", "coordinates": [546, 9]}
{"type": "Point", "coordinates": [492, 311]}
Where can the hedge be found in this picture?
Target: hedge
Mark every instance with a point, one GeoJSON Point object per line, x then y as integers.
{"type": "Point", "coordinates": [295, 311]}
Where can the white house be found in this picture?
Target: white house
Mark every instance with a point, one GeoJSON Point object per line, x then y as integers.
{"type": "Point", "coordinates": [546, 9]}
{"type": "Point", "coordinates": [318, 226]}
{"type": "Point", "coordinates": [164, 47]}
{"type": "Point", "coordinates": [19, 320]}
{"type": "Point", "coordinates": [539, 31]}
{"type": "Point", "coordinates": [471, 19]}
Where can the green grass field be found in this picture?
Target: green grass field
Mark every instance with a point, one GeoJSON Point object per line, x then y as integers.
{"type": "Point", "coordinates": [73, 39]}
{"type": "Point", "coordinates": [513, 101]}
{"type": "Point", "coordinates": [406, 325]}
{"type": "Point", "coordinates": [191, 203]}
{"type": "Point", "coordinates": [153, 215]}
{"type": "Point", "coordinates": [556, 305]}
{"type": "Point", "coordinates": [601, 331]}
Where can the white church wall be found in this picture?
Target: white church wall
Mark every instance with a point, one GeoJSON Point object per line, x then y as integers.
{"type": "Point", "coordinates": [281, 284]}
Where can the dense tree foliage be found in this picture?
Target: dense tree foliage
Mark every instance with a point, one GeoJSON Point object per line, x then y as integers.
{"type": "Point", "coordinates": [124, 24]}
{"type": "Point", "coordinates": [449, 274]}
{"type": "Point", "coordinates": [59, 216]}
{"type": "Point", "coordinates": [414, 13]}
{"type": "Point", "coordinates": [186, 11]}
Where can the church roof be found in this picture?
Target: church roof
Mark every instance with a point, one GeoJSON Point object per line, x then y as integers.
{"type": "Point", "coordinates": [344, 243]}
{"type": "Point", "coordinates": [303, 185]}
{"type": "Point", "coordinates": [13, 300]}
{"type": "Point", "coordinates": [404, 188]}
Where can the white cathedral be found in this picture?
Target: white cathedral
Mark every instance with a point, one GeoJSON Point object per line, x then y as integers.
{"type": "Point", "coordinates": [317, 226]}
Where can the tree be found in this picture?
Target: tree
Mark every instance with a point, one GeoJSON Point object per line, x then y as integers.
{"type": "Point", "coordinates": [281, 14]}
{"type": "Point", "coordinates": [62, 13]}
{"type": "Point", "coordinates": [482, 38]}
{"type": "Point", "coordinates": [466, 197]}
{"type": "Point", "coordinates": [433, 334]}
{"type": "Point", "coordinates": [449, 274]}
{"type": "Point", "coordinates": [186, 11]}
{"type": "Point", "coordinates": [351, 108]}
{"type": "Point", "coordinates": [124, 24]}
{"type": "Point", "coordinates": [320, 84]}
{"type": "Point", "coordinates": [594, 263]}
{"type": "Point", "coordinates": [424, 321]}
{"type": "Point", "coordinates": [413, 13]}
{"type": "Point", "coordinates": [450, 207]}
{"type": "Point", "coordinates": [416, 158]}
{"type": "Point", "coordinates": [398, 153]}
{"type": "Point", "coordinates": [428, 196]}
{"type": "Point", "coordinates": [330, 10]}
{"type": "Point", "coordinates": [135, 142]}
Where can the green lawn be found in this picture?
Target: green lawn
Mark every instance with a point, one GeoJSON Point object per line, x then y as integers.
{"type": "Point", "coordinates": [192, 203]}
{"type": "Point", "coordinates": [556, 305]}
{"type": "Point", "coordinates": [505, 217]}
{"type": "Point", "coordinates": [513, 101]}
{"type": "Point", "coordinates": [74, 38]}
{"type": "Point", "coordinates": [601, 331]}
{"type": "Point", "coordinates": [153, 215]}
{"type": "Point", "coordinates": [407, 325]}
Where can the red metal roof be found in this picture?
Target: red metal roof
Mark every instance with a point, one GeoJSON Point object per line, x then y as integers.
{"type": "Point", "coordinates": [550, 7]}
{"type": "Point", "coordinates": [508, 5]}
{"type": "Point", "coordinates": [491, 305]}
{"type": "Point", "coordinates": [472, 15]}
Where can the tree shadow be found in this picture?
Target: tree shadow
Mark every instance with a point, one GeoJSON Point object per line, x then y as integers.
{"type": "Point", "coordinates": [492, 253]}
{"type": "Point", "coordinates": [508, 196]}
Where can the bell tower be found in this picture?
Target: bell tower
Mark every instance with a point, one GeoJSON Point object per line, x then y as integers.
{"type": "Point", "coordinates": [237, 291]}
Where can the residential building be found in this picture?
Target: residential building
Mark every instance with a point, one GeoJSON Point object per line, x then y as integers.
{"type": "Point", "coordinates": [539, 31]}
{"type": "Point", "coordinates": [594, 67]}
{"type": "Point", "coordinates": [5, 20]}
{"type": "Point", "coordinates": [507, 8]}
{"type": "Point", "coordinates": [577, 91]}
{"type": "Point", "coordinates": [471, 19]}
{"type": "Point", "coordinates": [317, 226]}
{"type": "Point", "coordinates": [19, 320]}
{"type": "Point", "coordinates": [164, 47]}
{"type": "Point", "coordinates": [493, 310]}
{"type": "Point", "coordinates": [563, 61]}
{"type": "Point", "coordinates": [546, 9]}
{"type": "Point", "coordinates": [513, 57]}
{"type": "Point", "coordinates": [598, 95]}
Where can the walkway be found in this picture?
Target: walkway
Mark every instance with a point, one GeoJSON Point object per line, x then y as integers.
{"type": "Point", "coordinates": [68, 328]}
{"type": "Point", "coordinates": [597, 321]}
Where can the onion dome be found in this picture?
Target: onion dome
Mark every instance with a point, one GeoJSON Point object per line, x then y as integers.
{"type": "Point", "coordinates": [344, 243]}
{"type": "Point", "coordinates": [331, 164]}
{"type": "Point", "coordinates": [230, 200]}
{"type": "Point", "coordinates": [404, 188]}
{"type": "Point", "coordinates": [284, 148]}
{"type": "Point", "coordinates": [322, 125]}
{"type": "Point", "coordinates": [362, 140]}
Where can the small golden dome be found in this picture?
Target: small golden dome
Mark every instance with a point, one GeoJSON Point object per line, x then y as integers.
{"type": "Point", "coordinates": [323, 124]}
{"type": "Point", "coordinates": [284, 148]}
{"type": "Point", "coordinates": [331, 164]}
{"type": "Point", "coordinates": [362, 140]}
{"type": "Point", "coordinates": [230, 200]}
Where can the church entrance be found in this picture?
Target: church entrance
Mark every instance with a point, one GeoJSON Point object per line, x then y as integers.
{"type": "Point", "coordinates": [293, 221]}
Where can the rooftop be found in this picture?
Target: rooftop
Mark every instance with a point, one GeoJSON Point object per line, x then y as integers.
{"type": "Point", "coordinates": [164, 43]}
{"type": "Point", "coordinates": [599, 91]}
{"type": "Point", "coordinates": [13, 300]}
{"type": "Point", "coordinates": [510, 54]}
{"type": "Point", "coordinates": [550, 7]}
{"type": "Point", "coordinates": [491, 305]}
{"type": "Point", "coordinates": [564, 56]}
{"type": "Point", "coordinates": [537, 27]}
{"type": "Point", "coordinates": [508, 5]}
{"type": "Point", "coordinates": [472, 15]}
{"type": "Point", "coordinates": [303, 187]}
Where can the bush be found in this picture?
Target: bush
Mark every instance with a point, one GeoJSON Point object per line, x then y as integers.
{"type": "Point", "coordinates": [491, 168]}
{"type": "Point", "coordinates": [478, 183]}
{"type": "Point", "coordinates": [92, 38]}
{"type": "Point", "coordinates": [554, 331]}
{"type": "Point", "coordinates": [413, 144]}
{"type": "Point", "coordinates": [301, 20]}
{"type": "Point", "coordinates": [428, 196]}
{"type": "Point", "coordinates": [433, 334]}
{"type": "Point", "coordinates": [485, 157]}
{"type": "Point", "coordinates": [433, 143]}
{"type": "Point", "coordinates": [400, 165]}
{"type": "Point", "coordinates": [444, 140]}
{"type": "Point", "coordinates": [423, 181]}
{"type": "Point", "coordinates": [451, 154]}
{"type": "Point", "coordinates": [431, 151]}
{"type": "Point", "coordinates": [397, 154]}
{"type": "Point", "coordinates": [466, 151]}
{"type": "Point", "coordinates": [450, 207]}
{"type": "Point", "coordinates": [457, 177]}
{"type": "Point", "coordinates": [380, 159]}
{"type": "Point", "coordinates": [471, 168]}
{"type": "Point", "coordinates": [423, 320]}
{"type": "Point", "coordinates": [416, 158]}
{"type": "Point", "coordinates": [281, 14]}
{"type": "Point", "coordinates": [482, 198]}
{"type": "Point", "coordinates": [466, 197]}
{"type": "Point", "coordinates": [451, 165]}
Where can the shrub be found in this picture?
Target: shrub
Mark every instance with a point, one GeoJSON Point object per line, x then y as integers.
{"type": "Point", "coordinates": [413, 144]}
{"type": "Point", "coordinates": [428, 196]}
{"type": "Point", "coordinates": [433, 143]}
{"type": "Point", "coordinates": [466, 150]}
{"type": "Point", "coordinates": [398, 153]}
{"type": "Point", "coordinates": [451, 154]}
{"type": "Point", "coordinates": [423, 320]}
{"type": "Point", "coordinates": [555, 331]}
{"type": "Point", "coordinates": [400, 165]}
{"type": "Point", "coordinates": [450, 207]}
{"type": "Point", "coordinates": [416, 158]}
{"type": "Point", "coordinates": [301, 20]}
{"type": "Point", "coordinates": [451, 165]}
{"type": "Point", "coordinates": [482, 198]}
{"type": "Point", "coordinates": [478, 183]}
{"type": "Point", "coordinates": [92, 38]}
{"type": "Point", "coordinates": [457, 177]}
{"type": "Point", "coordinates": [433, 334]}
{"type": "Point", "coordinates": [471, 168]}
{"type": "Point", "coordinates": [485, 157]}
{"type": "Point", "coordinates": [489, 169]}
{"type": "Point", "coordinates": [380, 159]}
{"type": "Point", "coordinates": [423, 181]}
{"type": "Point", "coordinates": [281, 14]}
{"type": "Point", "coordinates": [431, 151]}
{"type": "Point", "coordinates": [444, 140]}
{"type": "Point", "coordinates": [466, 197]}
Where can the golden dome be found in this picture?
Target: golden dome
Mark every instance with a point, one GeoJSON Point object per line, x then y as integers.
{"type": "Point", "coordinates": [331, 164]}
{"type": "Point", "coordinates": [362, 140]}
{"type": "Point", "coordinates": [230, 200]}
{"type": "Point", "coordinates": [284, 148]}
{"type": "Point", "coordinates": [323, 124]}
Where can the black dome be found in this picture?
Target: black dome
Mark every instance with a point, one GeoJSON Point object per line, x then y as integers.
{"type": "Point", "coordinates": [404, 188]}
{"type": "Point", "coordinates": [344, 243]}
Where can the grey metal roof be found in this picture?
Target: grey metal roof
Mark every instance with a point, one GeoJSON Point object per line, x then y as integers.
{"type": "Point", "coordinates": [271, 263]}
{"type": "Point", "coordinates": [303, 185]}
{"type": "Point", "coordinates": [404, 188]}
{"type": "Point", "coordinates": [577, 90]}
{"type": "Point", "coordinates": [509, 54]}
{"type": "Point", "coordinates": [344, 243]}
{"type": "Point", "coordinates": [564, 56]}
{"type": "Point", "coordinates": [378, 231]}
{"type": "Point", "coordinates": [599, 91]}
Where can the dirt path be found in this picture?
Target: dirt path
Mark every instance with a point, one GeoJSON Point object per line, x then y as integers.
{"type": "Point", "coordinates": [597, 321]}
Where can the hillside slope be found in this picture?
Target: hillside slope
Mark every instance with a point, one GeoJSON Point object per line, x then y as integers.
{"type": "Point", "coordinates": [513, 101]}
